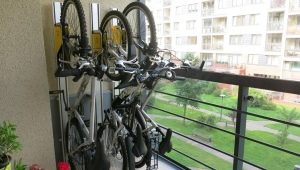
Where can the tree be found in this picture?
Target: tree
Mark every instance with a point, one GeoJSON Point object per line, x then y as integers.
{"type": "Point", "coordinates": [232, 115]}
{"type": "Point", "coordinates": [290, 117]}
{"type": "Point", "coordinates": [194, 60]}
{"type": "Point", "coordinates": [190, 89]}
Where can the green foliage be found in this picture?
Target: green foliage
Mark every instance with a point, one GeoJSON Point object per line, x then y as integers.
{"type": "Point", "coordinates": [190, 89]}
{"type": "Point", "coordinates": [282, 136]}
{"type": "Point", "coordinates": [19, 165]}
{"type": "Point", "coordinates": [208, 119]}
{"type": "Point", "coordinates": [261, 100]}
{"type": "Point", "coordinates": [189, 56]}
{"type": "Point", "coordinates": [288, 116]}
{"type": "Point", "coordinates": [8, 139]}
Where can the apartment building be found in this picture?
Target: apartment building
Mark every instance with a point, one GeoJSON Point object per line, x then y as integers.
{"type": "Point", "coordinates": [251, 37]}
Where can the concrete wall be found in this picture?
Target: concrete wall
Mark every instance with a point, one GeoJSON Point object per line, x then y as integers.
{"type": "Point", "coordinates": [24, 87]}
{"type": "Point", "coordinates": [27, 65]}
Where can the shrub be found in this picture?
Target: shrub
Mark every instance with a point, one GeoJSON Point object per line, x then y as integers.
{"type": "Point", "coordinates": [261, 100]}
{"type": "Point", "coordinates": [207, 119]}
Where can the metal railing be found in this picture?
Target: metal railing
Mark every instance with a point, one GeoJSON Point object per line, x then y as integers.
{"type": "Point", "coordinates": [207, 12]}
{"type": "Point", "coordinates": [243, 83]}
{"type": "Point", "coordinates": [275, 26]}
{"type": "Point", "coordinates": [273, 46]}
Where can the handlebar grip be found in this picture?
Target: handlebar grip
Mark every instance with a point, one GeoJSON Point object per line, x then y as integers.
{"type": "Point", "coordinates": [179, 78]}
{"type": "Point", "coordinates": [68, 72]}
{"type": "Point", "coordinates": [125, 69]}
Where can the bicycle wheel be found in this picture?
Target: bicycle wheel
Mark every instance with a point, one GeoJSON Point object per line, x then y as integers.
{"type": "Point", "coordinates": [117, 40]}
{"type": "Point", "coordinates": [148, 46]}
{"type": "Point", "coordinates": [74, 138]}
{"type": "Point", "coordinates": [144, 159]}
{"type": "Point", "coordinates": [74, 33]}
{"type": "Point", "coordinates": [115, 150]}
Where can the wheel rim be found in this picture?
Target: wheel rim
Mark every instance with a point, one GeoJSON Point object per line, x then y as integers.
{"type": "Point", "coordinates": [115, 43]}
{"type": "Point", "coordinates": [71, 34]}
{"type": "Point", "coordinates": [132, 20]}
{"type": "Point", "coordinates": [73, 142]}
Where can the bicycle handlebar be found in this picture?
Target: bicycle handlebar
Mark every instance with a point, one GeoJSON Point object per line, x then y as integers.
{"type": "Point", "coordinates": [77, 73]}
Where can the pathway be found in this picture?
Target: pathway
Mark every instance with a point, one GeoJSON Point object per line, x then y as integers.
{"type": "Point", "coordinates": [251, 125]}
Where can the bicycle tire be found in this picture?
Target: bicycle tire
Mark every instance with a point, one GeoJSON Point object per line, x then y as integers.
{"type": "Point", "coordinates": [109, 60]}
{"type": "Point", "coordinates": [146, 159]}
{"type": "Point", "coordinates": [82, 37]}
{"type": "Point", "coordinates": [152, 46]}
{"type": "Point", "coordinates": [73, 123]}
{"type": "Point", "coordinates": [139, 119]}
{"type": "Point", "coordinates": [121, 141]}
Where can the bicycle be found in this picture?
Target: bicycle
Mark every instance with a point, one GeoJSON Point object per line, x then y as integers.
{"type": "Point", "coordinates": [127, 104]}
{"type": "Point", "coordinates": [85, 149]}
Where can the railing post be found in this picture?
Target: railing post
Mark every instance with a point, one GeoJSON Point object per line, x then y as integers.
{"type": "Point", "coordinates": [240, 127]}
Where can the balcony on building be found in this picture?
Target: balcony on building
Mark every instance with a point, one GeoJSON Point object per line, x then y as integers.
{"type": "Point", "coordinates": [292, 52]}
{"type": "Point", "coordinates": [168, 43]}
{"type": "Point", "coordinates": [166, 13]}
{"type": "Point", "coordinates": [277, 3]}
{"type": "Point", "coordinates": [293, 25]}
{"type": "Point", "coordinates": [206, 43]}
{"type": "Point", "coordinates": [275, 21]}
{"type": "Point", "coordinates": [217, 42]}
{"type": "Point", "coordinates": [294, 6]}
{"type": "Point", "coordinates": [207, 26]}
{"type": "Point", "coordinates": [219, 25]}
{"type": "Point", "coordinates": [167, 29]}
{"type": "Point", "coordinates": [273, 42]}
{"type": "Point", "coordinates": [207, 8]}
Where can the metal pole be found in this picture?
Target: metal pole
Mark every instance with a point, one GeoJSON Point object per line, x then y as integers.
{"type": "Point", "coordinates": [241, 119]}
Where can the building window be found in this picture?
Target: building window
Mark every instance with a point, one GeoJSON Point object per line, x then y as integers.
{"type": "Point", "coordinates": [255, 39]}
{"type": "Point", "coordinates": [176, 26]}
{"type": "Point", "coordinates": [295, 66]}
{"type": "Point", "coordinates": [192, 8]}
{"type": "Point", "coordinates": [180, 10]}
{"type": "Point", "coordinates": [253, 59]}
{"type": "Point", "coordinates": [239, 20]}
{"type": "Point", "coordinates": [254, 19]}
{"type": "Point", "coordinates": [191, 40]}
{"type": "Point", "coordinates": [190, 25]}
{"type": "Point", "coordinates": [178, 41]}
{"type": "Point", "coordinates": [159, 28]}
{"type": "Point", "coordinates": [272, 60]}
{"type": "Point", "coordinates": [236, 39]}
{"type": "Point", "coordinates": [222, 59]}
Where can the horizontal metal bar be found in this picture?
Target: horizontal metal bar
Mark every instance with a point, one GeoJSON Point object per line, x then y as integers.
{"type": "Point", "coordinates": [287, 86]}
{"type": "Point", "coordinates": [227, 108]}
{"type": "Point", "coordinates": [193, 159]}
{"type": "Point", "coordinates": [232, 133]}
{"type": "Point", "coordinates": [213, 148]}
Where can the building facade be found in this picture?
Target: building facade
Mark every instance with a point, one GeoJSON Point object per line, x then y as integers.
{"type": "Point", "coordinates": [249, 37]}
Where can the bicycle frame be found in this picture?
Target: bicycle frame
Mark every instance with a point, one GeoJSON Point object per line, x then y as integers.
{"type": "Point", "coordinates": [140, 108]}
{"type": "Point", "coordinates": [89, 133]}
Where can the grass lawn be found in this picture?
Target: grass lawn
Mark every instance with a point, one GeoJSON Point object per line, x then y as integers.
{"type": "Point", "coordinates": [255, 153]}
{"type": "Point", "coordinates": [198, 154]}
{"type": "Point", "coordinates": [173, 108]}
{"type": "Point", "coordinates": [229, 101]}
{"type": "Point", "coordinates": [292, 130]}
